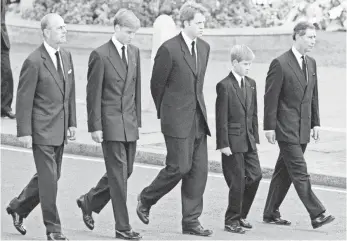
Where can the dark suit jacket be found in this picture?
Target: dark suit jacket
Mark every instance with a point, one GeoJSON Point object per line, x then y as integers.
{"type": "Point", "coordinates": [44, 108]}
{"type": "Point", "coordinates": [177, 86]}
{"type": "Point", "coordinates": [5, 41]}
{"type": "Point", "coordinates": [113, 94]}
{"type": "Point", "coordinates": [236, 118]}
{"type": "Point", "coordinates": [290, 103]}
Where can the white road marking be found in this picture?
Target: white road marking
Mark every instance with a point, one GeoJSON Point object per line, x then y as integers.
{"type": "Point", "coordinates": [149, 166]}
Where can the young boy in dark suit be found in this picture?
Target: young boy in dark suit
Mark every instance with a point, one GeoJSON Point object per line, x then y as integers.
{"type": "Point", "coordinates": [237, 135]}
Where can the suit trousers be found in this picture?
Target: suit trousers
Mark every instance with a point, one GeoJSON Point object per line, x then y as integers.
{"type": "Point", "coordinates": [242, 174]}
{"type": "Point", "coordinates": [43, 187]}
{"type": "Point", "coordinates": [186, 160]}
{"type": "Point", "coordinates": [291, 168]}
{"type": "Point", "coordinates": [119, 160]}
{"type": "Point", "coordinates": [6, 80]}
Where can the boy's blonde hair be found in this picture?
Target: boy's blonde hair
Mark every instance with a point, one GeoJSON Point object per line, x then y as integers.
{"type": "Point", "coordinates": [241, 53]}
{"type": "Point", "coordinates": [126, 18]}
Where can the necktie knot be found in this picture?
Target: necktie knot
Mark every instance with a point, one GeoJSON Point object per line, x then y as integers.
{"type": "Point", "coordinates": [242, 83]}
{"type": "Point", "coordinates": [123, 48]}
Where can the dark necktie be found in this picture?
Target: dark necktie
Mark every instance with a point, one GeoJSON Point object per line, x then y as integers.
{"type": "Point", "coordinates": [243, 87]}
{"type": "Point", "coordinates": [59, 67]}
{"type": "Point", "coordinates": [194, 55]}
{"type": "Point", "coordinates": [124, 58]}
{"type": "Point", "coordinates": [304, 67]}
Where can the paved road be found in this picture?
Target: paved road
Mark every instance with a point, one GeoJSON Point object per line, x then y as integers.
{"type": "Point", "coordinates": [81, 173]}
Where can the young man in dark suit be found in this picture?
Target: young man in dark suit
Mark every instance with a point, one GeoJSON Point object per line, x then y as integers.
{"type": "Point", "coordinates": [176, 86]}
{"type": "Point", "coordinates": [291, 110]}
{"type": "Point", "coordinates": [6, 71]}
{"type": "Point", "coordinates": [114, 116]}
{"type": "Point", "coordinates": [46, 118]}
{"type": "Point", "coordinates": [237, 136]}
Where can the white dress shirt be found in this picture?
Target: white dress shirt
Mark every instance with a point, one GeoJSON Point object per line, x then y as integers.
{"type": "Point", "coordinates": [51, 52]}
{"type": "Point", "coordinates": [238, 78]}
{"type": "Point", "coordinates": [297, 56]}
{"type": "Point", "coordinates": [119, 46]}
{"type": "Point", "coordinates": [189, 44]}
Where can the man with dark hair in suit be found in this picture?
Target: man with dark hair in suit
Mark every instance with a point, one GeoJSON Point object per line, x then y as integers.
{"type": "Point", "coordinates": [114, 116]}
{"type": "Point", "coordinates": [6, 71]}
{"type": "Point", "coordinates": [176, 86]}
{"type": "Point", "coordinates": [291, 110]}
{"type": "Point", "coordinates": [46, 118]}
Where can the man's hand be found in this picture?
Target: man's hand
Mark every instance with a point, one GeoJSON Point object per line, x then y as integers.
{"type": "Point", "coordinates": [315, 133]}
{"type": "Point", "coordinates": [97, 136]}
{"type": "Point", "coordinates": [27, 141]}
{"type": "Point", "coordinates": [71, 133]}
{"type": "Point", "coordinates": [226, 151]}
{"type": "Point", "coordinates": [271, 136]}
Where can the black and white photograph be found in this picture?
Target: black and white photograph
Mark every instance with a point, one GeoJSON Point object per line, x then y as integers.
{"type": "Point", "coordinates": [173, 120]}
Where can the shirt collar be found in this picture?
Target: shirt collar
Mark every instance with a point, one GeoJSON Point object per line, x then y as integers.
{"type": "Point", "coordinates": [188, 40]}
{"type": "Point", "coordinates": [237, 76]}
{"type": "Point", "coordinates": [297, 55]}
{"type": "Point", "coordinates": [118, 44]}
{"type": "Point", "coordinates": [50, 49]}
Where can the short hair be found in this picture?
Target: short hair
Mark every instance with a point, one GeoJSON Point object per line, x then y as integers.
{"type": "Point", "coordinates": [241, 53]}
{"type": "Point", "coordinates": [126, 18]}
{"type": "Point", "coordinates": [189, 9]}
{"type": "Point", "coordinates": [301, 27]}
{"type": "Point", "coordinates": [45, 20]}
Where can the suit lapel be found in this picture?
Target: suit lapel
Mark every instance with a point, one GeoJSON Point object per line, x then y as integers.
{"type": "Point", "coordinates": [248, 93]}
{"type": "Point", "coordinates": [51, 68]}
{"type": "Point", "coordinates": [65, 60]}
{"type": "Point", "coordinates": [201, 57]}
{"type": "Point", "coordinates": [116, 61]}
{"type": "Point", "coordinates": [310, 74]}
{"type": "Point", "coordinates": [293, 63]}
{"type": "Point", "coordinates": [187, 55]}
{"type": "Point", "coordinates": [238, 90]}
{"type": "Point", "coordinates": [131, 66]}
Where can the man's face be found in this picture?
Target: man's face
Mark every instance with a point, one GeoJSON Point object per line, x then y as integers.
{"type": "Point", "coordinates": [308, 40]}
{"type": "Point", "coordinates": [242, 68]}
{"type": "Point", "coordinates": [125, 34]}
{"type": "Point", "coordinates": [196, 26]}
{"type": "Point", "coordinates": [56, 30]}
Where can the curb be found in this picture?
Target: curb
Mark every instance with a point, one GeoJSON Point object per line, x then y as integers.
{"type": "Point", "coordinates": [146, 156]}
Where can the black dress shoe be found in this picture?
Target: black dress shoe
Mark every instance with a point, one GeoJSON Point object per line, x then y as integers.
{"type": "Point", "coordinates": [198, 230]}
{"type": "Point", "coordinates": [322, 220]}
{"type": "Point", "coordinates": [87, 218]}
{"type": "Point", "coordinates": [9, 114]}
{"type": "Point", "coordinates": [56, 236]}
{"type": "Point", "coordinates": [234, 228]}
{"type": "Point", "coordinates": [277, 221]}
{"type": "Point", "coordinates": [128, 235]}
{"type": "Point", "coordinates": [17, 221]}
{"type": "Point", "coordinates": [142, 211]}
{"type": "Point", "coordinates": [244, 223]}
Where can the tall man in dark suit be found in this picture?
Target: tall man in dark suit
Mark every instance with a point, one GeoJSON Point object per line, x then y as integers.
{"type": "Point", "coordinates": [291, 110]}
{"type": "Point", "coordinates": [6, 71]}
{"type": "Point", "coordinates": [46, 118]}
{"type": "Point", "coordinates": [176, 86]}
{"type": "Point", "coordinates": [237, 135]}
{"type": "Point", "coordinates": [114, 116]}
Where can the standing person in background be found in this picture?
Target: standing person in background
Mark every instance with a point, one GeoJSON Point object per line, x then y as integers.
{"type": "Point", "coordinates": [177, 90]}
{"type": "Point", "coordinates": [114, 118]}
{"type": "Point", "coordinates": [46, 118]}
{"type": "Point", "coordinates": [291, 110]}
